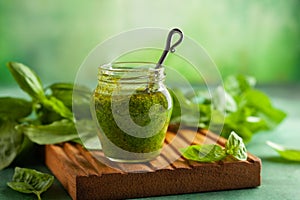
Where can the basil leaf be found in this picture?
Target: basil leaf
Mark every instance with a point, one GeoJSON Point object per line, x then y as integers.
{"type": "Point", "coordinates": [237, 85]}
{"type": "Point", "coordinates": [286, 153]}
{"type": "Point", "coordinates": [203, 153]}
{"type": "Point", "coordinates": [78, 97]}
{"type": "Point", "coordinates": [237, 122]}
{"type": "Point", "coordinates": [46, 115]}
{"type": "Point", "coordinates": [28, 81]}
{"type": "Point", "coordinates": [14, 108]}
{"type": "Point", "coordinates": [209, 152]}
{"type": "Point", "coordinates": [10, 142]}
{"type": "Point", "coordinates": [57, 106]}
{"type": "Point", "coordinates": [63, 92]}
{"type": "Point", "coordinates": [262, 107]}
{"type": "Point", "coordinates": [236, 147]}
{"type": "Point", "coordinates": [30, 181]}
{"type": "Point", "coordinates": [223, 101]}
{"type": "Point", "coordinates": [56, 132]}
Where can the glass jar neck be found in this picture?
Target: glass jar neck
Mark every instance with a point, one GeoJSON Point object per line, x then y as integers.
{"type": "Point", "coordinates": [131, 73]}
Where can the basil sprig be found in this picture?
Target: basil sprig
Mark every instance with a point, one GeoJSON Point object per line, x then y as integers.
{"type": "Point", "coordinates": [46, 119]}
{"type": "Point", "coordinates": [30, 83]}
{"type": "Point", "coordinates": [236, 106]}
{"type": "Point", "coordinates": [212, 152]}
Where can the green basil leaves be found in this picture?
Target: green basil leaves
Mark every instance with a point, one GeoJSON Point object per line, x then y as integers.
{"type": "Point", "coordinates": [30, 83]}
{"type": "Point", "coordinates": [210, 152]}
{"type": "Point", "coordinates": [46, 119]}
{"type": "Point", "coordinates": [237, 106]}
{"type": "Point", "coordinates": [30, 181]}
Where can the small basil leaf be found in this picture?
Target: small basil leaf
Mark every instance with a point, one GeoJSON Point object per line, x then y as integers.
{"type": "Point", "coordinates": [30, 181]}
{"type": "Point", "coordinates": [10, 142]}
{"type": "Point", "coordinates": [236, 147]}
{"type": "Point", "coordinates": [28, 81]}
{"type": "Point", "coordinates": [288, 154]}
{"type": "Point", "coordinates": [58, 131]}
{"type": "Point", "coordinates": [203, 153]}
{"type": "Point", "coordinates": [14, 108]}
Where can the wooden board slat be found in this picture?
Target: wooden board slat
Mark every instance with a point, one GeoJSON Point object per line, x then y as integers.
{"type": "Point", "coordinates": [85, 177]}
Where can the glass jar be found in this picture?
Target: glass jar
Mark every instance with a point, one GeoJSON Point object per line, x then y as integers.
{"type": "Point", "coordinates": [133, 109]}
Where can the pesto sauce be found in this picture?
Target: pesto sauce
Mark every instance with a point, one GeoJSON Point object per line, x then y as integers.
{"type": "Point", "coordinates": [143, 112]}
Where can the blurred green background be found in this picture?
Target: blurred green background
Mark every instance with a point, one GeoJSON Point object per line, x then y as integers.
{"type": "Point", "coordinates": [259, 37]}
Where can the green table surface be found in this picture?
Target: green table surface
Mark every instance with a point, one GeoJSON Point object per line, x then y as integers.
{"type": "Point", "coordinates": [280, 178]}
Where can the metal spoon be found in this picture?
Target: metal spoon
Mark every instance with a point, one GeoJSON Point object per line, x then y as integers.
{"type": "Point", "coordinates": [168, 46]}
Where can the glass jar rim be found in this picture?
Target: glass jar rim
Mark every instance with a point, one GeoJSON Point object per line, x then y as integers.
{"type": "Point", "coordinates": [151, 66]}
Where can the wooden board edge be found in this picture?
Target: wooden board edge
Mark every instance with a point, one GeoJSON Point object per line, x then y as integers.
{"type": "Point", "coordinates": [180, 181]}
{"type": "Point", "coordinates": [65, 172]}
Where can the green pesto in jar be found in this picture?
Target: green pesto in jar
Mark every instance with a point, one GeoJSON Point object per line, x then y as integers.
{"type": "Point", "coordinates": [133, 108]}
{"type": "Point", "coordinates": [151, 110]}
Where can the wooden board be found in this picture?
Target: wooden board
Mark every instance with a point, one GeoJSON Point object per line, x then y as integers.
{"type": "Point", "coordinates": [85, 177]}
